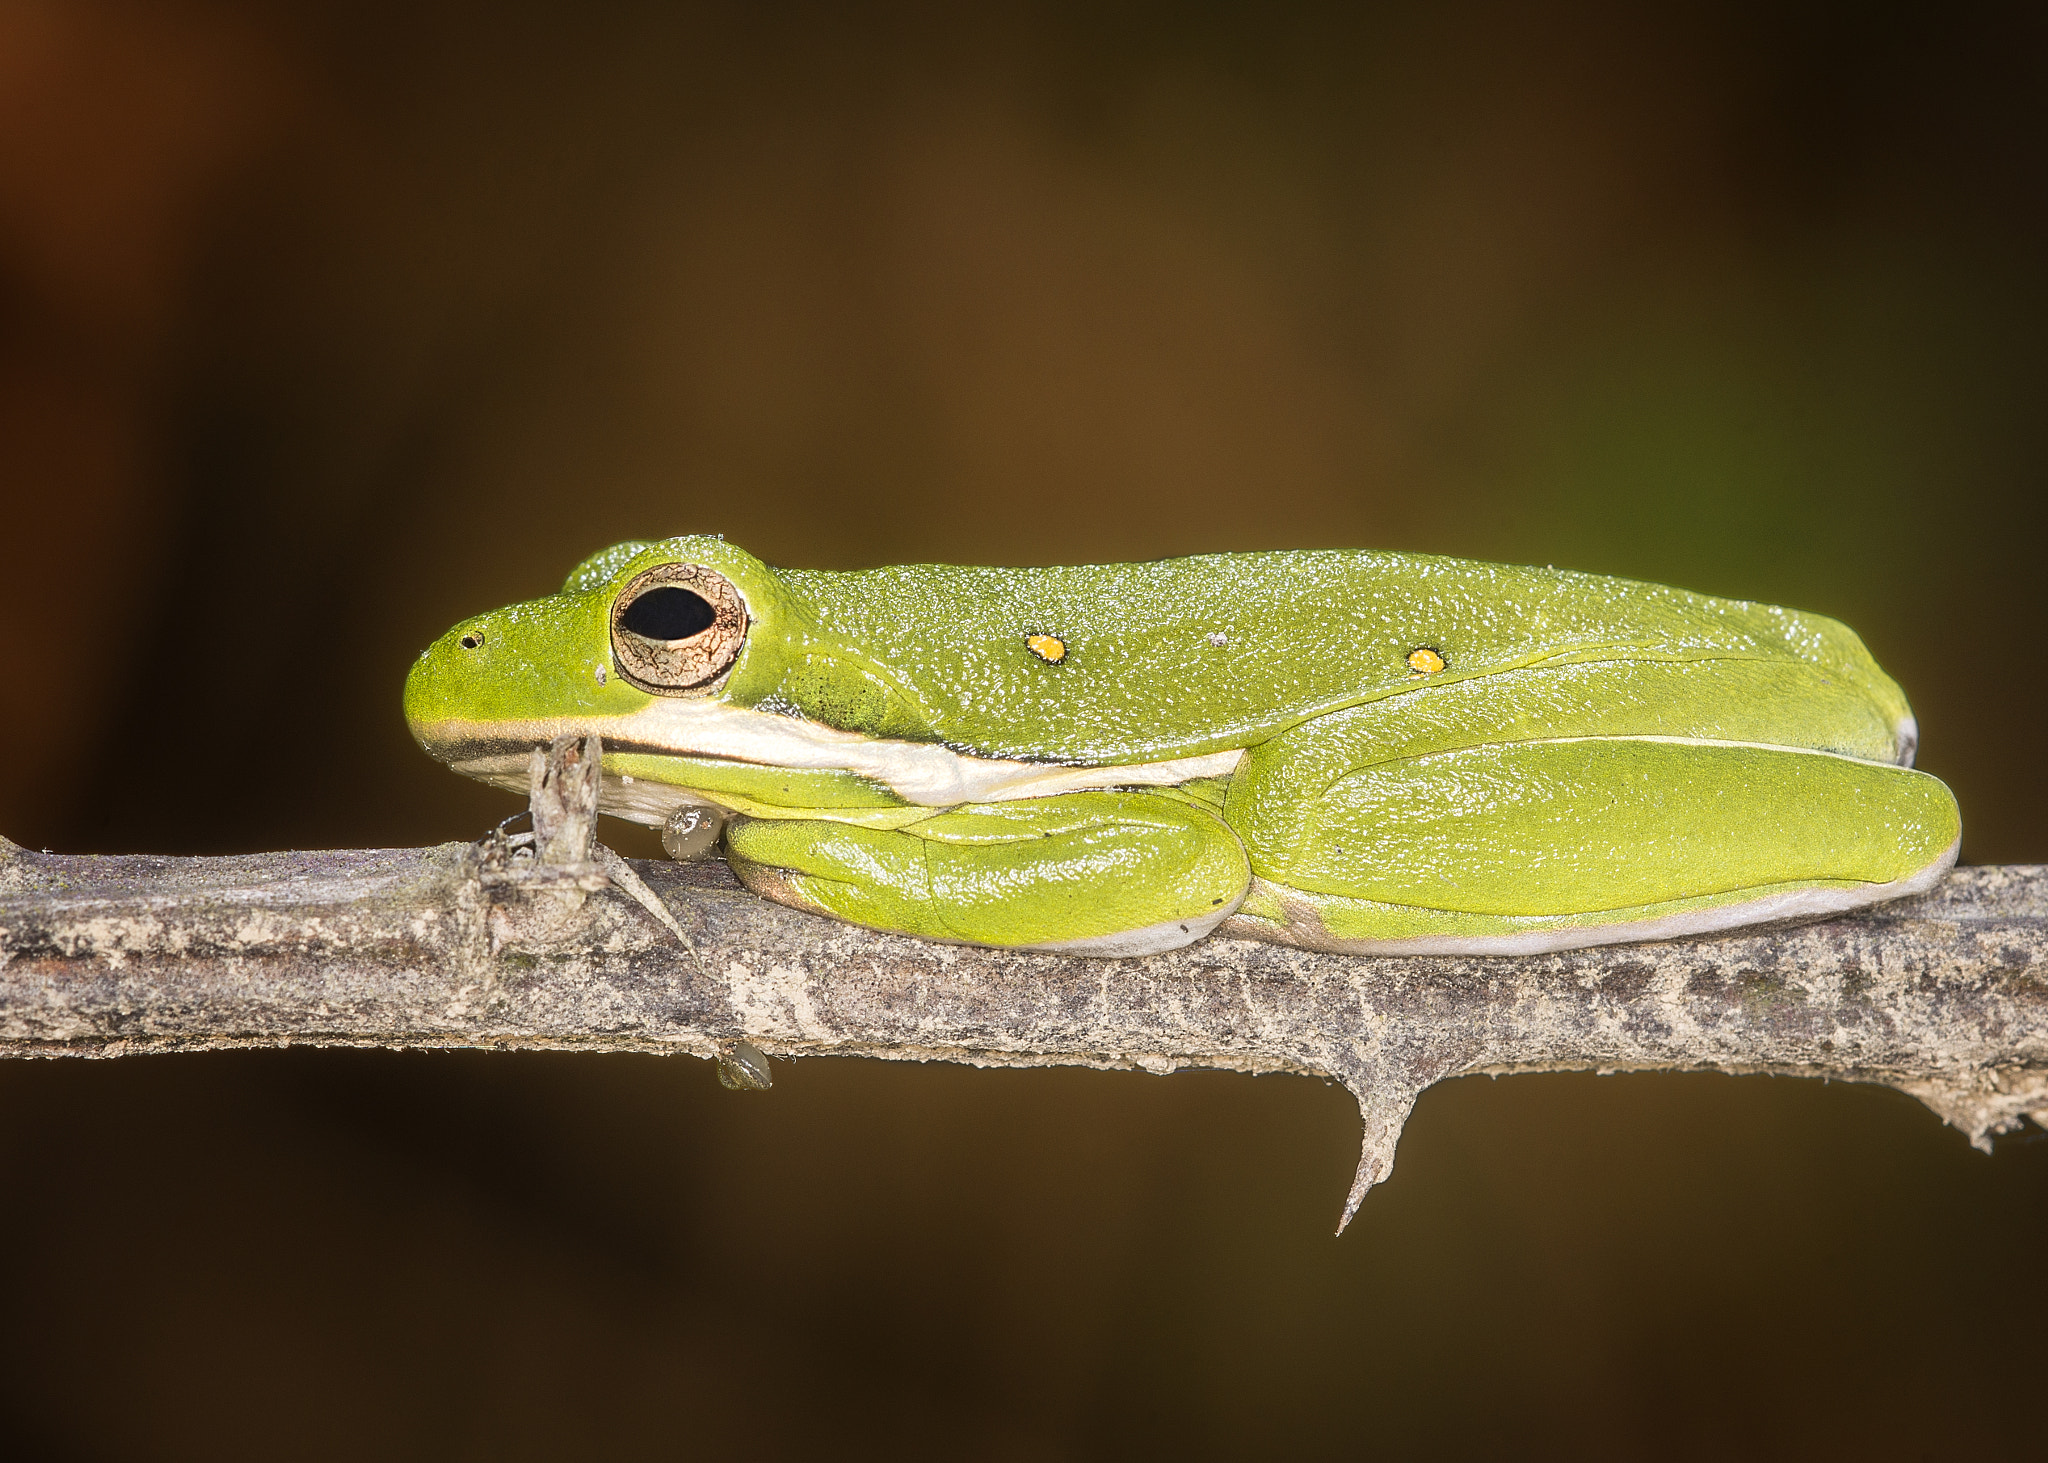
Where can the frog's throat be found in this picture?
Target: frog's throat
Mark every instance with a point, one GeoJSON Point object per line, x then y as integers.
{"type": "Point", "coordinates": [917, 772]}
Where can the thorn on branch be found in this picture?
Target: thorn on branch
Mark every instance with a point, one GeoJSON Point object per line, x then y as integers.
{"type": "Point", "coordinates": [742, 1068]}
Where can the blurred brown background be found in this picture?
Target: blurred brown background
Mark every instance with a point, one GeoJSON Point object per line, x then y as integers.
{"type": "Point", "coordinates": [322, 325]}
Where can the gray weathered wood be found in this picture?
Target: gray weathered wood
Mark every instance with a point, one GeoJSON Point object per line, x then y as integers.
{"type": "Point", "coordinates": [557, 943]}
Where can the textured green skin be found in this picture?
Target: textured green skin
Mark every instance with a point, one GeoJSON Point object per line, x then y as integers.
{"type": "Point", "coordinates": [1033, 872]}
{"type": "Point", "coordinates": [1509, 791]}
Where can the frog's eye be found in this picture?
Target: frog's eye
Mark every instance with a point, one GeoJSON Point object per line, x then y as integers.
{"type": "Point", "coordinates": [676, 627]}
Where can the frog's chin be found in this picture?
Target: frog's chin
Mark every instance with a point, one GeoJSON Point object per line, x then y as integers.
{"type": "Point", "coordinates": [918, 772]}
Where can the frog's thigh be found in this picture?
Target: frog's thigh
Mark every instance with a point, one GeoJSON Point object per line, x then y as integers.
{"type": "Point", "coordinates": [1548, 845]}
{"type": "Point", "coordinates": [1105, 873]}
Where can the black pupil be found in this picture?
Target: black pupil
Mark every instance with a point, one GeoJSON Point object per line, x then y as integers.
{"type": "Point", "coordinates": [668, 613]}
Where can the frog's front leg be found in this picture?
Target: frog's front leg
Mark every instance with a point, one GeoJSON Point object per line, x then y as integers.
{"type": "Point", "coordinates": [1100, 873]}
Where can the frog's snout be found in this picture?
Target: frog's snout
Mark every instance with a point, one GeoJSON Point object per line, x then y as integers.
{"type": "Point", "coordinates": [434, 685]}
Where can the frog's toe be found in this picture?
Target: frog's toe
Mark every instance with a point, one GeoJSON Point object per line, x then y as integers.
{"type": "Point", "coordinates": [784, 886]}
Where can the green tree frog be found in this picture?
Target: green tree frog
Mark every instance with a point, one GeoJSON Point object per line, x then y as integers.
{"type": "Point", "coordinates": [1376, 752]}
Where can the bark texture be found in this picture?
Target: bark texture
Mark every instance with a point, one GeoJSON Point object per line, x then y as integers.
{"type": "Point", "coordinates": [549, 940]}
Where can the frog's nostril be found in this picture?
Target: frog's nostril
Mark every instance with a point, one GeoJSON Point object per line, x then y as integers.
{"type": "Point", "coordinates": [1906, 741]}
{"type": "Point", "coordinates": [472, 640]}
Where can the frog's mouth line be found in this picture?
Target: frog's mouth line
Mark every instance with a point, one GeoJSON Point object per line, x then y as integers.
{"type": "Point", "coordinates": [918, 772]}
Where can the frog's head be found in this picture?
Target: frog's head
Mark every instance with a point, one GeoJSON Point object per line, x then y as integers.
{"type": "Point", "coordinates": [638, 624]}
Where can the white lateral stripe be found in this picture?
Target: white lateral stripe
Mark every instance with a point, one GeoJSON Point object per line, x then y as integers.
{"type": "Point", "coordinates": [1666, 741]}
{"type": "Point", "coordinates": [1036, 780]}
{"type": "Point", "coordinates": [917, 772]}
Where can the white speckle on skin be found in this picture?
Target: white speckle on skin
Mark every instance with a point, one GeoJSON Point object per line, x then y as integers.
{"type": "Point", "coordinates": [1217, 637]}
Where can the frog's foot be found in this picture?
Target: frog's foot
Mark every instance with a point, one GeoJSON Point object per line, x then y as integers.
{"type": "Point", "coordinates": [1093, 873]}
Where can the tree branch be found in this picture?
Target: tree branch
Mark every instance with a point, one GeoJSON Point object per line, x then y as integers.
{"type": "Point", "coordinates": [548, 940]}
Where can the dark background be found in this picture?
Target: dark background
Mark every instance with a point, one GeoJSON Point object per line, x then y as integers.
{"type": "Point", "coordinates": [323, 325]}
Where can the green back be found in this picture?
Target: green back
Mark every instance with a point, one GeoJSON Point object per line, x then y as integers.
{"type": "Point", "coordinates": [1184, 656]}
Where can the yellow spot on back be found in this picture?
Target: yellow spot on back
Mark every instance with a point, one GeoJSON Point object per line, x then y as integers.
{"type": "Point", "coordinates": [1424, 661]}
{"type": "Point", "coordinates": [1048, 648]}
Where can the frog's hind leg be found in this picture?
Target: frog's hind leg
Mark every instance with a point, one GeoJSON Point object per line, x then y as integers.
{"type": "Point", "coordinates": [1554, 844]}
{"type": "Point", "coordinates": [1096, 873]}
